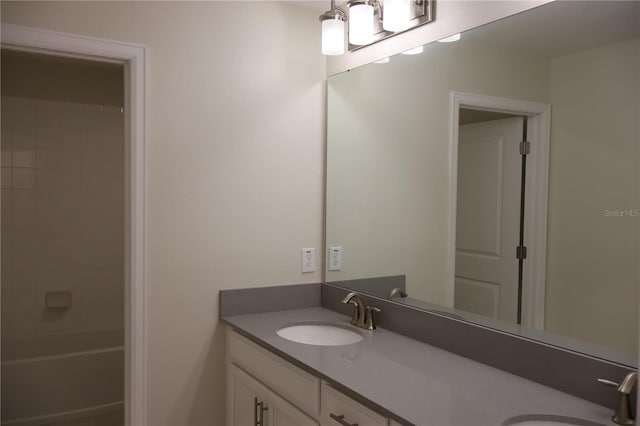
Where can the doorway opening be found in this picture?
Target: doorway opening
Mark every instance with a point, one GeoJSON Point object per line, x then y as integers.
{"type": "Point", "coordinates": [130, 60]}
{"type": "Point", "coordinates": [63, 245]}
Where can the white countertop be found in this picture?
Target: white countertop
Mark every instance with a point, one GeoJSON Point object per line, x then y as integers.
{"type": "Point", "coordinates": [418, 383]}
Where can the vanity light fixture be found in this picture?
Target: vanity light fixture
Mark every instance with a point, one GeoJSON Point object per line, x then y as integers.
{"type": "Point", "coordinates": [333, 25]}
{"type": "Point", "coordinates": [361, 13]}
{"type": "Point", "coordinates": [450, 39]}
{"type": "Point", "coordinates": [397, 14]}
{"type": "Point", "coordinates": [415, 51]}
{"type": "Point", "coordinates": [370, 21]}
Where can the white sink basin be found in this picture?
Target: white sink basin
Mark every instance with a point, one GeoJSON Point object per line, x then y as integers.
{"type": "Point", "coordinates": [320, 334]}
{"type": "Point", "coordinates": [548, 420]}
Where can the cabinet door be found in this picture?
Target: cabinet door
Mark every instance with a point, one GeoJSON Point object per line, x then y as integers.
{"type": "Point", "coordinates": [282, 413]}
{"type": "Point", "coordinates": [249, 400]}
{"type": "Point", "coordinates": [253, 404]}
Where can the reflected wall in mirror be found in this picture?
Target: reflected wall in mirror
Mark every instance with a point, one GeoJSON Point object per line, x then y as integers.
{"type": "Point", "coordinates": [404, 184]}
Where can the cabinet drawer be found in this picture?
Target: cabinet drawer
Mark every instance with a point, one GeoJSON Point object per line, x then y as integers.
{"type": "Point", "coordinates": [336, 404]}
{"type": "Point", "coordinates": [295, 385]}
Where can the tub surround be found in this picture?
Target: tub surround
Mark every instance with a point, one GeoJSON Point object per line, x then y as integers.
{"type": "Point", "coordinates": [410, 381]}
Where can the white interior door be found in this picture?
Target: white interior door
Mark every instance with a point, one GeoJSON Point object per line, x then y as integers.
{"type": "Point", "coordinates": [488, 218]}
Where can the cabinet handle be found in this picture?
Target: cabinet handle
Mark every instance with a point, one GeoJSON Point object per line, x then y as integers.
{"type": "Point", "coordinates": [340, 419]}
{"type": "Point", "coordinates": [258, 412]}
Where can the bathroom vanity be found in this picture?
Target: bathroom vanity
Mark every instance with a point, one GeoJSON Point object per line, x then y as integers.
{"type": "Point", "coordinates": [385, 379]}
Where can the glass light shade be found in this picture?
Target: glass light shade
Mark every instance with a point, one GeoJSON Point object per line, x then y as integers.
{"type": "Point", "coordinates": [396, 15]}
{"type": "Point", "coordinates": [333, 37]}
{"type": "Point", "coordinates": [415, 51]}
{"type": "Point", "coordinates": [450, 39]}
{"type": "Point", "coordinates": [360, 24]}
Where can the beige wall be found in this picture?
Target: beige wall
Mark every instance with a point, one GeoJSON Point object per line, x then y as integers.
{"type": "Point", "coordinates": [592, 272]}
{"type": "Point", "coordinates": [388, 137]}
{"type": "Point", "coordinates": [235, 169]}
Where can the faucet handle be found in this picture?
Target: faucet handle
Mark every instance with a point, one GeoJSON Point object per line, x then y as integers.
{"type": "Point", "coordinates": [369, 322]}
{"type": "Point", "coordinates": [627, 384]}
{"type": "Point", "coordinates": [608, 382]}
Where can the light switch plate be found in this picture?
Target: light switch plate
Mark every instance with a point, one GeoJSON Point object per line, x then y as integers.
{"type": "Point", "coordinates": [308, 260]}
{"type": "Point", "coordinates": [335, 258]}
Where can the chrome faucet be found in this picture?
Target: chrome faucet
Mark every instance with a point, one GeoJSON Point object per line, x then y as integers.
{"type": "Point", "coordinates": [623, 414]}
{"type": "Point", "coordinates": [397, 292]}
{"type": "Point", "coordinates": [358, 308]}
{"type": "Point", "coordinates": [362, 315]}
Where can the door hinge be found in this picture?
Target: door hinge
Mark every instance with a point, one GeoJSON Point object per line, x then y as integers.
{"type": "Point", "coordinates": [525, 147]}
{"type": "Point", "coordinates": [521, 252]}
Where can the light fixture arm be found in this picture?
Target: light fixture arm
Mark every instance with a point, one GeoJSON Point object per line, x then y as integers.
{"type": "Point", "coordinates": [335, 12]}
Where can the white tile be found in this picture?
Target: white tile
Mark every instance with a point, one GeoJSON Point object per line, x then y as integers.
{"type": "Point", "coordinates": [23, 198]}
{"type": "Point", "coordinates": [24, 137]}
{"type": "Point", "coordinates": [92, 159]}
{"type": "Point", "coordinates": [70, 179]}
{"type": "Point", "coordinates": [23, 218]}
{"type": "Point", "coordinates": [23, 178]}
{"type": "Point", "coordinates": [24, 113]}
{"type": "Point", "coordinates": [7, 305]}
{"type": "Point", "coordinates": [70, 115]}
{"type": "Point", "coordinates": [22, 261]}
{"type": "Point", "coordinates": [23, 157]}
{"type": "Point", "coordinates": [6, 157]}
{"type": "Point", "coordinates": [114, 159]}
{"type": "Point", "coordinates": [24, 293]}
{"type": "Point", "coordinates": [113, 141]}
{"type": "Point", "coordinates": [48, 138]}
{"type": "Point", "coordinates": [93, 140]}
{"type": "Point", "coordinates": [47, 179]}
{"type": "Point", "coordinates": [113, 120]}
{"type": "Point", "coordinates": [92, 118]}
{"type": "Point", "coordinates": [92, 179]}
{"type": "Point", "coordinates": [70, 159]}
{"type": "Point", "coordinates": [71, 139]}
{"type": "Point", "coordinates": [47, 114]}
{"type": "Point", "coordinates": [47, 158]}
{"type": "Point", "coordinates": [6, 177]}
{"type": "Point", "coordinates": [7, 198]}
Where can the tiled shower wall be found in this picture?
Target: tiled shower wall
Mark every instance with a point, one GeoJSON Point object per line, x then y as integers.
{"type": "Point", "coordinates": [62, 216]}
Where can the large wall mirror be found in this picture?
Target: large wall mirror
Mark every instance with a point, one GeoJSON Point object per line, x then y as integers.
{"type": "Point", "coordinates": [433, 200]}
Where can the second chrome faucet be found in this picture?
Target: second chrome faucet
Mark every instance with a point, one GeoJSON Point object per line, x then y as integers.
{"type": "Point", "coordinates": [362, 315]}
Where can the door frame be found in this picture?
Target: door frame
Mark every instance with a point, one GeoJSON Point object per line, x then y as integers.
{"type": "Point", "coordinates": [135, 60]}
{"type": "Point", "coordinates": [536, 200]}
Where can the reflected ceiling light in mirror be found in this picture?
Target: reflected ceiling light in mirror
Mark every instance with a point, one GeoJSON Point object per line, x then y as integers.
{"type": "Point", "coordinates": [333, 26]}
{"type": "Point", "coordinates": [396, 15]}
{"type": "Point", "coordinates": [450, 39]}
{"type": "Point", "coordinates": [415, 51]}
{"type": "Point", "coordinates": [361, 22]}
{"type": "Point", "coordinates": [382, 61]}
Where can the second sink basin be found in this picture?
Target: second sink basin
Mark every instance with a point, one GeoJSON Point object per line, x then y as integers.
{"type": "Point", "coordinates": [320, 334]}
{"type": "Point", "coordinates": [547, 420]}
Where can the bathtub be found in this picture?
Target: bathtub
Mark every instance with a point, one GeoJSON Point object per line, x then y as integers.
{"type": "Point", "coordinates": [63, 378]}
